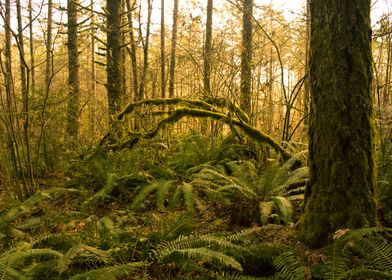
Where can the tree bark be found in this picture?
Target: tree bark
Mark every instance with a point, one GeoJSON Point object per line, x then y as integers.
{"type": "Point", "coordinates": [208, 51]}
{"type": "Point", "coordinates": [133, 52]}
{"type": "Point", "coordinates": [246, 57]}
{"type": "Point", "coordinates": [73, 70]}
{"type": "Point", "coordinates": [49, 43]}
{"type": "Point", "coordinates": [145, 44]}
{"type": "Point", "coordinates": [163, 75]}
{"type": "Point", "coordinates": [31, 45]}
{"type": "Point", "coordinates": [173, 50]}
{"type": "Point", "coordinates": [341, 189]}
{"type": "Point", "coordinates": [113, 55]}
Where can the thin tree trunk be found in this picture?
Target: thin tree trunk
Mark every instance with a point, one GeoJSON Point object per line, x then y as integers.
{"type": "Point", "coordinates": [49, 43]}
{"type": "Point", "coordinates": [73, 70]}
{"type": "Point", "coordinates": [124, 85]}
{"type": "Point", "coordinates": [208, 51]}
{"type": "Point", "coordinates": [307, 82]}
{"type": "Point", "coordinates": [173, 50]}
{"type": "Point", "coordinates": [246, 57]}
{"type": "Point", "coordinates": [93, 71]}
{"type": "Point", "coordinates": [10, 110]}
{"type": "Point", "coordinates": [25, 95]}
{"type": "Point", "coordinates": [163, 76]}
{"type": "Point", "coordinates": [113, 55]}
{"type": "Point", "coordinates": [31, 42]}
{"type": "Point", "coordinates": [133, 52]}
{"type": "Point", "coordinates": [145, 44]}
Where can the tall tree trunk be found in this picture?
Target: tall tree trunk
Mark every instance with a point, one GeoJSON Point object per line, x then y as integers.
{"type": "Point", "coordinates": [124, 85]}
{"type": "Point", "coordinates": [133, 52]}
{"type": "Point", "coordinates": [10, 108]}
{"type": "Point", "coordinates": [93, 71]}
{"type": "Point", "coordinates": [208, 51]}
{"type": "Point", "coordinates": [388, 70]}
{"type": "Point", "coordinates": [31, 42]}
{"type": "Point", "coordinates": [340, 193]}
{"type": "Point", "coordinates": [246, 57]}
{"type": "Point", "coordinates": [173, 50]}
{"type": "Point", "coordinates": [73, 69]}
{"type": "Point", "coordinates": [24, 78]}
{"type": "Point", "coordinates": [113, 55]}
{"type": "Point", "coordinates": [307, 82]}
{"type": "Point", "coordinates": [145, 44]}
{"type": "Point", "coordinates": [163, 76]}
{"type": "Point", "coordinates": [49, 43]}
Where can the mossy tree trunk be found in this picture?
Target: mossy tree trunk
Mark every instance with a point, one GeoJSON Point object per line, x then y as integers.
{"type": "Point", "coordinates": [73, 69]}
{"type": "Point", "coordinates": [341, 189]}
{"type": "Point", "coordinates": [173, 50]}
{"type": "Point", "coordinates": [208, 51]}
{"type": "Point", "coordinates": [113, 55]}
{"type": "Point", "coordinates": [246, 57]}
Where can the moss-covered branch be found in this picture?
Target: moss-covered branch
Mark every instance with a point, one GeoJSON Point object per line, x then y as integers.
{"type": "Point", "coordinates": [165, 101]}
{"type": "Point", "coordinates": [180, 113]}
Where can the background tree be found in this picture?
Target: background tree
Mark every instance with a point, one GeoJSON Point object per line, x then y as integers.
{"type": "Point", "coordinates": [145, 44]}
{"type": "Point", "coordinates": [163, 76]}
{"type": "Point", "coordinates": [113, 54]}
{"type": "Point", "coordinates": [132, 52]}
{"type": "Point", "coordinates": [173, 49]}
{"type": "Point", "coordinates": [246, 57]}
{"type": "Point", "coordinates": [208, 50]}
{"type": "Point", "coordinates": [73, 69]}
{"type": "Point", "coordinates": [340, 193]}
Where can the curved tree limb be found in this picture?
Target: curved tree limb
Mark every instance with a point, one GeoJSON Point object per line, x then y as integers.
{"type": "Point", "coordinates": [182, 112]}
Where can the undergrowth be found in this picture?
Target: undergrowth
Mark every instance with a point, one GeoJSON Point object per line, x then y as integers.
{"type": "Point", "coordinates": [179, 209]}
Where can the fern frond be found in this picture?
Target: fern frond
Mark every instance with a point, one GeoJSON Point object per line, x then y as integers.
{"type": "Point", "coordinates": [173, 228]}
{"type": "Point", "coordinates": [175, 198]}
{"type": "Point", "coordinates": [365, 273]}
{"type": "Point", "coordinates": [188, 198]}
{"type": "Point", "coordinates": [102, 193]}
{"type": "Point", "coordinates": [192, 241]}
{"type": "Point", "coordinates": [88, 253]}
{"type": "Point", "coordinates": [205, 255]}
{"type": "Point", "coordinates": [13, 263]}
{"type": "Point", "coordinates": [288, 267]}
{"type": "Point", "coordinates": [239, 276]}
{"type": "Point", "coordinates": [284, 208]}
{"type": "Point", "coordinates": [143, 194]}
{"type": "Point", "coordinates": [298, 176]}
{"type": "Point", "coordinates": [111, 273]}
{"type": "Point", "coordinates": [161, 193]}
{"type": "Point", "coordinates": [246, 234]}
{"type": "Point", "coordinates": [266, 208]}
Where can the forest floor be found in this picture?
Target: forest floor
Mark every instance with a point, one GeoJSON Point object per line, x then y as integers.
{"type": "Point", "coordinates": [177, 213]}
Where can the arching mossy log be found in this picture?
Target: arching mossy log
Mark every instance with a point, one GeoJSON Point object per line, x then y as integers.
{"type": "Point", "coordinates": [211, 104]}
{"type": "Point", "coordinates": [178, 114]}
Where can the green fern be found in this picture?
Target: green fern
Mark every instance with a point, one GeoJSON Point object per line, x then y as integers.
{"type": "Point", "coordinates": [15, 262]}
{"type": "Point", "coordinates": [84, 254]}
{"type": "Point", "coordinates": [103, 194]}
{"type": "Point", "coordinates": [372, 254]}
{"type": "Point", "coordinates": [248, 235]}
{"type": "Point", "coordinates": [111, 272]}
{"type": "Point", "coordinates": [162, 193]}
{"type": "Point", "coordinates": [144, 193]}
{"type": "Point", "coordinates": [204, 248]}
{"type": "Point", "coordinates": [284, 208]}
{"type": "Point", "coordinates": [288, 267]}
